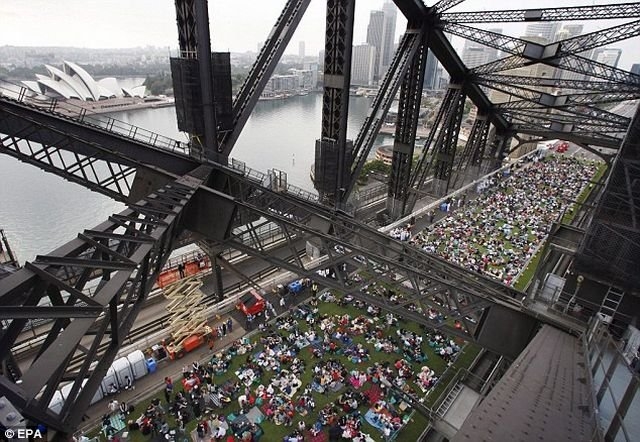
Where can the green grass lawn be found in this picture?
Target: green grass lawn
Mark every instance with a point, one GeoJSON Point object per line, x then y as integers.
{"type": "Point", "coordinates": [570, 215]}
{"type": "Point", "coordinates": [526, 276]}
{"type": "Point", "coordinates": [415, 425]}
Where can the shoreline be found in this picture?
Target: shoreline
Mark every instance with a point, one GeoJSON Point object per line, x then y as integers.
{"type": "Point", "coordinates": [116, 105]}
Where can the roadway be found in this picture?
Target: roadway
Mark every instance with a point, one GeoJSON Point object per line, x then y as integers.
{"type": "Point", "coordinates": [154, 316]}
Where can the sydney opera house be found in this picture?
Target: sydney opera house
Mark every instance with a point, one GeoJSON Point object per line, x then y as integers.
{"type": "Point", "coordinates": [73, 82]}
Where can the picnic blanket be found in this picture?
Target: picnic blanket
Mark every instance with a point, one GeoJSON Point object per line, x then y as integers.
{"type": "Point", "coordinates": [255, 415]}
{"type": "Point", "coordinates": [374, 394]}
{"type": "Point", "coordinates": [372, 419]}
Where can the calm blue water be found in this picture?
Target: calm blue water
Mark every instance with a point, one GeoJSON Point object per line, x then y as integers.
{"type": "Point", "coordinates": [39, 211]}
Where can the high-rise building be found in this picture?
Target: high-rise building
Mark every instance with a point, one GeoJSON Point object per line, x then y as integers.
{"type": "Point", "coordinates": [390, 11]}
{"type": "Point", "coordinates": [301, 50]}
{"type": "Point", "coordinates": [430, 72]}
{"type": "Point", "coordinates": [493, 53]}
{"type": "Point", "coordinates": [374, 37]}
{"type": "Point", "coordinates": [539, 70]}
{"type": "Point", "coordinates": [363, 60]}
{"type": "Point", "coordinates": [607, 56]}
{"type": "Point", "coordinates": [474, 54]}
{"type": "Point", "coordinates": [544, 29]}
{"type": "Point", "coordinates": [321, 60]}
{"type": "Point", "coordinates": [567, 32]}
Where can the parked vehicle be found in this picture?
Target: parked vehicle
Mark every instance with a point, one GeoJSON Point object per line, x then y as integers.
{"type": "Point", "coordinates": [251, 303]}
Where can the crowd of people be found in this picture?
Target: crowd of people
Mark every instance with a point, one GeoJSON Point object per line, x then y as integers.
{"type": "Point", "coordinates": [268, 381]}
{"type": "Point", "coordinates": [500, 231]}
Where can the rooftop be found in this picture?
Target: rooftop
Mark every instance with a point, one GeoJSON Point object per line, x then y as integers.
{"type": "Point", "coordinates": [542, 396]}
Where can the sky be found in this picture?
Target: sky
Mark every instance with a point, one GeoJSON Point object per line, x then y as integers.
{"type": "Point", "coordinates": [236, 25]}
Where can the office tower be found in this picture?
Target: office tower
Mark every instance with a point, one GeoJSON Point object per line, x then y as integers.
{"type": "Point", "coordinates": [545, 29]}
{"type": "Point", "coordinates": [388, 35]}
{"type": "Point", "coordinates": [539, 70]}
{"type": "Point", "coordinates": [301, 50]}
{"type": "Point", "coordinates": [570, 31]}
{"type": "Point", "coordinates": [374, 37]}
{"type": "Point", "coordinates": [321, 60]}
{"type": "Point", "coordinates": [567, 32]}
{"type": "Point", "coordinates": [430, 71]}
{"type": "Point", "coordinates": [363, 59]}
{"type": "Point", "coordinates": [607, 56]}
{"type": "Point", "coordinates": [474, 54]}
{"type": "Point", "coordinates": [493, 53]}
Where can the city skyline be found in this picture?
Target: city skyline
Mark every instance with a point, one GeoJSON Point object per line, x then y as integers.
{"type": "Point", "coordinates": [37, 23]}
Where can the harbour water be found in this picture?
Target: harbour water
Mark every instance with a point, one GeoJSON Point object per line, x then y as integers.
{"type": "Point", "coordinates": [40, 211]}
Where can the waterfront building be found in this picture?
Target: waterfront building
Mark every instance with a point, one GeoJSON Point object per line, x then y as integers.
{"type": "Point", "coordinates": [73, 82]}
{"type": "Point", "coordinates": [374, 38]}
{"type": "Point", "coordinates": [388, 35]}
{"type": "Point", "coordinates": [363, 60]}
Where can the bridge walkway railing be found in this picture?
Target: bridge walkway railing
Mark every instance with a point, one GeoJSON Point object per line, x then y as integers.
{"type": "Point", "coordinates": [70, 111]}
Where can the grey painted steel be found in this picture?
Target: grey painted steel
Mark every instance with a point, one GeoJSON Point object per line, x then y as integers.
{"type": "Point", "coordinates": [187, 32]}
{"type": "Point", "coordinates": [337, 69]}
{"type": "Point", "coordinates": [524, 405]}
{"type": "Point", "coordinates": [332, 148]}
{"type": "Point", "coordinates": [86, 154]}
{"type": "Point", "coordinates": [556, 83]}
{"type": "Point", "coordinates": [129, 270]}
{"type": "Point", "coordinates": [203, 48]}
{"type": "Point", "coordinates": [405, 136]}
{"type": "Point", "coordinates": [444, 5]}
{"type": "Point", "coordinates": [195, 43]}
{"type": "Point", "coordinates": [439, 149]}
{"type": "Point", "coordinates": [611, 249]}
{"type": "Point", "coordinates": [447, 141]}
{"type": "Point", "coordinates": [474, 149]}
{"type": "Point", "coordinates": [414, 9]}
{"type": "Point", "coordinates": [625, 10]}
{"type": "Point", "coordinates": [144, 234]}
{"type": "Point", "coordinates": [262, 70]}
{"type": "Point", "coordinates": [386, 93]}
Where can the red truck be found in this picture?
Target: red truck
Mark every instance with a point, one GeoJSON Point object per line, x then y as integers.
{"type": "Point", "coordinates": [562, 147]}
{"type": "Point", "coordinates": [251, 303]}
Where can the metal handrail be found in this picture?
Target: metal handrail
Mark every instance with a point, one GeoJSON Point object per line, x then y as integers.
{"type": "Point", "coordinates": [67, 110]}
{"type": "Point", "coordinates": [64, 109]}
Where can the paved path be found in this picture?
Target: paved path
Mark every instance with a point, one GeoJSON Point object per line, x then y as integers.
{"type": "Point", "coordinates": [152, 384]}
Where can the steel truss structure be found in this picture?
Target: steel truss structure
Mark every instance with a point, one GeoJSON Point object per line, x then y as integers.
{"type": "Point", "coordinates": [439, 149]}
{"type": "Point", "coordinates": [612, 241]}
{"type": "Point", "coordinates": [172, 188]}
{"type": "Point", "coordinates": [126, 254]}
{"type": "Point", "coordinates": [406, 127]}
{"type": "Point", "coordinates": [333, 152]}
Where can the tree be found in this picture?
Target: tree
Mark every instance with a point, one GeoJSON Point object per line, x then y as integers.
{"type": "Point", "coordinates": [374, 166]}
{"type": "Point", "coordinates": [158, 84]}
